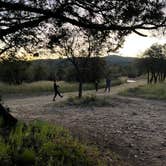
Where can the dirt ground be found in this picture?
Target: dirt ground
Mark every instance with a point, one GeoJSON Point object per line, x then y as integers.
{"type": "Point", "coordinates": [133, 127]}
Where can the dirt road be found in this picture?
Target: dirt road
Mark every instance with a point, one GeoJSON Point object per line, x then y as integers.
{"type": "Point", "coordinates": [26, 102]}
{"type": "Point", "coordinates": [134, 128]}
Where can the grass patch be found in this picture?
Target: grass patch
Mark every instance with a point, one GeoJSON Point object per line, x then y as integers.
{"type": "Point", "coordinates": [86, 101]}
{"type": "Point", "coordinates": [149, 91]}
{"type": "Point", "coordinates": [41, 144]}
{"type": "Point", "coordinates": [39, 86]}
{"type": "Point", "coordinates": [44, 144]}
{"type": "Point", "coordinates": [47, 86]}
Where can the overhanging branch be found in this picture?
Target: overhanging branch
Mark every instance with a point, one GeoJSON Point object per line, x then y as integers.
{"type": "Point", "coordinates": [139, 33]}
{"type": "Point", "coordinates": [15, 28]}
{"type": "Point", "coordinates": [58, 14]}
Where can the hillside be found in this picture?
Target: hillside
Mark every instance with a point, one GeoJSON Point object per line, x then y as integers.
{"type": "Point", "coordinates": [116, 59]}
{"type": "Point", "coordinates": [111, 59]}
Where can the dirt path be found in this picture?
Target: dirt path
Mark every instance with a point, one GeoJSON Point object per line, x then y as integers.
{"type": "Point", "coordinates": [27, 102]}
{"type": "Point", "coordinates": [135, 128]}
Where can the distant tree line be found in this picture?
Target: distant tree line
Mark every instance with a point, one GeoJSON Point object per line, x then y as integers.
{"type": "Point", "coordinates": [16, 70]}
{"type": "Point", "coordinates": [13, 70]}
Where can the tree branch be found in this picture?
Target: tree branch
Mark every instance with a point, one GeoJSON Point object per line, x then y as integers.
{"type": "Point", "coordinates": [138, 33]}
{"type": "Point", "coordinates": [17, 27]}
{"type": "Point", "coordinates": [58, 14]}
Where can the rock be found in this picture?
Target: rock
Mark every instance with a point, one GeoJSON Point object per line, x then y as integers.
{"type": "Point", "coordinates": [160, 156]}
{"type": "Point", "coordinates": [134, 113]}
{"type": "Point", "coordinates": [118, 131]}
{"type": "Point", "coordinates": [163, 144]}
{"type": "Point", "coordinates": [131, 145]}
{"type": "Point", "coordinates": [136, 156]}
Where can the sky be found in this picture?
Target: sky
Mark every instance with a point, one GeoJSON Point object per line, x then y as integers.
{"type": "Point", "coordinates": [135, 44]}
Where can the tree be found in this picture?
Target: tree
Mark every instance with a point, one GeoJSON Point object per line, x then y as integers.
{"type": "Point", "coordinates": [79, 46]}
{"type": "Point", "coordinates": [95, 14]}
{"type": "Point", "coordinates": [118, 17]}
{"type": "Point", "coordinates": [13, 69]}
{"type": "Point", "coordinates": [93, 71]}
{"type": "Point", "coordinates": [154, 63]}
{"type": "Point", "coordinates": [8, 120]}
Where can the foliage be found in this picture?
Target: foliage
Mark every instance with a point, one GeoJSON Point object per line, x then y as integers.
{"type": "Point", "coordinates": [39, 143]}
{"type": "Point", "coordinates": [119, 17]}
{"type": "Point", "coordinates": [150, 91]}
{"type": "Point", "coordinates": [37, 73]}
{"type": "Point", "coordinates": [86, 101]}
{"type": "Point", "coordinates": [154, 63]}
{"type": "Point", "coordinates": [93, 70]}
{"type": "Point", "coordinates": [79, 46]}
{"type": "Point", "coordinates": [13, 70]}
{"type": "Point", "coordinates": [97, 68]}
{"type": "Point", "coordinates": [132, 70]}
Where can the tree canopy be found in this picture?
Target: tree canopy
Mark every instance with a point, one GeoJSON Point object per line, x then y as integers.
{"type": "Point", "coordinates": [96, 14]}
{"type": "Point", "coordinates": [154, 63]}
{"type": "Point", "coordinates": [118, 17]}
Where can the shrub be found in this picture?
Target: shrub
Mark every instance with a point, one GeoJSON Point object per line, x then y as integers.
{"type": "Point", "coordinates": [43, 144]}
{"type": "Point", "coordinates": [86, 101]}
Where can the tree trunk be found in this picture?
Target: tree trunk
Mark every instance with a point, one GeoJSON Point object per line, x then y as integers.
{"type": "Point", "coordinates": [156, 78]}
{"type": "Point", "coordinates": [164, 77]}
{"type": "Point", "coordinates": [8, 119]}
{"type": "Point", "coordinates": [160, 76]}
{"type": "Point", "coordinates": [152, 78]}
{"type": "Point", "coordinates": [80, 89]}
{"type": "Point", "coordinates": [148, 77]}
{"type": "Point", "coordinates": [79, 79]}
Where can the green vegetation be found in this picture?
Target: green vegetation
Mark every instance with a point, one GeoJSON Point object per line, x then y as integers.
{"type": "Point", "coordinates": [44, 144]}
{"type": "Point", "coordinates": [17, 71]}
{"type": "Point", "coordinates": [41, 144]}
{"type": "Point", "coordinates": [154, 63]}
{"type": "Point", "coordinates": [47, 86]}
{"type": "Point", "coordinates": [13, 69]}
{"type": "Point", "coordinates": [86, 101]}
{"type": "Point", "coordinates": [150, 91]}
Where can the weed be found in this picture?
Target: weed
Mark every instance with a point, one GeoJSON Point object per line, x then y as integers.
{"type": "Point", "coordinates": [43, 144]}
{"type": "Point", "coordinates": [86, 101]}
{"type": "Point", "coordinates": [150, 91]}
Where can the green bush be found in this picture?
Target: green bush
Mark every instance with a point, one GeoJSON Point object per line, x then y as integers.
{"type": "Point", "coordinates": [26, 158]}
{"type": "Point", "coordinates": [43, 144]}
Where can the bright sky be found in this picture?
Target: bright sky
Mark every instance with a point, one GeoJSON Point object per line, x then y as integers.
{"type": "Point", "coordinates": [135, 44]}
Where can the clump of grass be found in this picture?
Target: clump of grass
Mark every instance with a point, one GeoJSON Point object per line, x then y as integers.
{"type": "Point", "coordinates": [42, 144]}
{"type": "Point", "coordinates": [86, 101]}
{"type": "Point", "coordinates": [150, 91]}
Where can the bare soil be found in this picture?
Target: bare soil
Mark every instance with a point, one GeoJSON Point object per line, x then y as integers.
{"type": "Point", "coordinates": [134, 128]}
